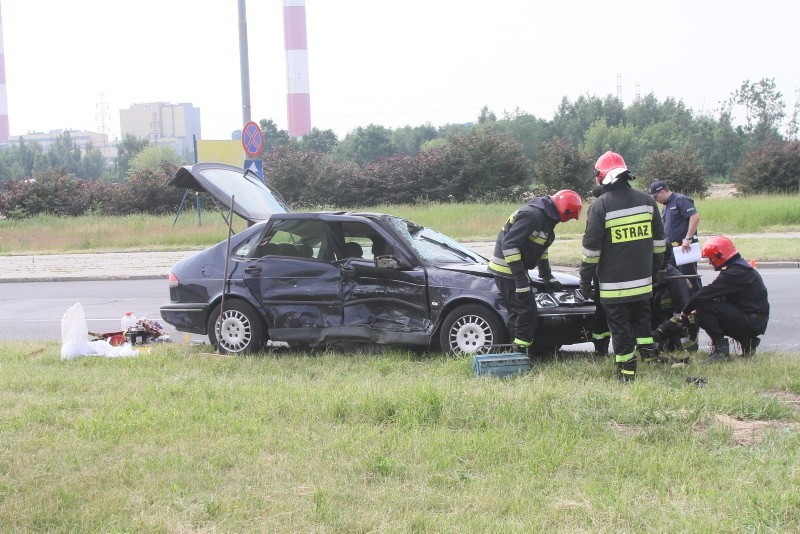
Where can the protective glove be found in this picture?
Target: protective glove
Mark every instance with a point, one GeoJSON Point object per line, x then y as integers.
{"type": "Point", "coordinates": [587, 290]}
{"type": "Point", "coordinates": [659, 278]}
{"type": "Point", "coordinates": [552, 284]}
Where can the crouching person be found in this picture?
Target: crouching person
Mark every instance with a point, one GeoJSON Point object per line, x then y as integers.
{"type": "Point", "coordinates": [670, 297]}
{"type": "Point", "coordinates": [735, 304]}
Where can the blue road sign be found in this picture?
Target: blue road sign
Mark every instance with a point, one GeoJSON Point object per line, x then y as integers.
{"type": "Point", "coordinates": [255, 165]}
{"type": "Point", "coordinates": [251, 139]}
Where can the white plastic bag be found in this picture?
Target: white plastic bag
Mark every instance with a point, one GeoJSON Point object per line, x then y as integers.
{"type": "Point", "coordinates": [75, 338]}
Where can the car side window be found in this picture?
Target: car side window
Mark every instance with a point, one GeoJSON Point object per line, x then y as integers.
{"type": "Point", "coordinates": [361, 241]}
{"type": "Point", "coordinates": [289, 238]}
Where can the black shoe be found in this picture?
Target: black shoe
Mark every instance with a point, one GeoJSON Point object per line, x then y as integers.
{"type": "Point", "coordinates": [749, 346]}
{"type": "Point", "coordinates": [626, 377]}
{"type": "Point", "coordinates": [717, 357]}
{"type": "Point", "coordinates": [721, 352]}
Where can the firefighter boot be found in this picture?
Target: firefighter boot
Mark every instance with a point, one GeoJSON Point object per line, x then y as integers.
{"type": "Point", "coordinates": [651, 354]}
{"type": "Point", "coordinates": [626, 371]}
{"type": "Point", "coordinates": [749, 345]}
{"type": "Point", "coordinates": [721, 352]}
{"type": "Point", "coordinates": [600, 347]}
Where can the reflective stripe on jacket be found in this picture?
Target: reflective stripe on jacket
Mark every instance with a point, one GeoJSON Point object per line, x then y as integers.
{"type": "Point", "coordinates": [624, 237]}
{"type": "Point", "coordinates": [523, 241]}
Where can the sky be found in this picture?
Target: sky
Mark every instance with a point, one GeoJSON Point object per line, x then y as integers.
{"type": "Point", "coordinates": [76, 63]}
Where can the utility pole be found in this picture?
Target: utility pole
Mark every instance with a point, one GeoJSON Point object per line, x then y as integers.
{"type": "Point", "coordinates": [244, 63]}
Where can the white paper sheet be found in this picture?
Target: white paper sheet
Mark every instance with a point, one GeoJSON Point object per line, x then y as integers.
{"type": "Point", "coordinates": [682, 258]}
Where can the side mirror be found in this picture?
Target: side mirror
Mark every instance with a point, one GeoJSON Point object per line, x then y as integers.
{"type": "Point", "coordinates": [386, 262]}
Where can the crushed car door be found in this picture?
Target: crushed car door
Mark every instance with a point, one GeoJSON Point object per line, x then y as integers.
{"type": "Point", "coordinates": [299, 286]}
{"type": "Point", "coordinates": [383, 304]}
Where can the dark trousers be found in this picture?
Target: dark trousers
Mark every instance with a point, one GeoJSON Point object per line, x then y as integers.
{"type": "Point", "coordinates": [720, 319]}
{"type": "Point", "coordinates": [628, 322]}
{"type": "Point", "coordinates": [522, 312]}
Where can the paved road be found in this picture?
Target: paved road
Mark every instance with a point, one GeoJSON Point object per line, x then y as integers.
{"type": "Point", "coordinates": [147, 265]}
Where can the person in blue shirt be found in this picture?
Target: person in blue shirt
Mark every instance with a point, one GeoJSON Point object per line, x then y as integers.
{"type": "Point", "coordinates": [680, 224]}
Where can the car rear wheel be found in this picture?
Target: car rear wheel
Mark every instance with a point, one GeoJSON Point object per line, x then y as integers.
{"type": "Point", "coordinates": [240, 329]}
{"type": "Point", "coordinates": [471, 329]}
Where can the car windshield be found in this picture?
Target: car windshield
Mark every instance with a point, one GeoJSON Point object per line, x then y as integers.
{"type": "Point", "coordinates": [434, 247]}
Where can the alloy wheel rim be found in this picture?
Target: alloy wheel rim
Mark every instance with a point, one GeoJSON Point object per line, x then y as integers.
{"type": "Point", "coordinates": [234, 331]}
{"type": "Point", "coordinates": [471, 334]}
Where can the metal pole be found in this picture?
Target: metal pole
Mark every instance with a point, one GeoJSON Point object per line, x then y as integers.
{"type": "Point", "coordinates": [244, 64]}
{"type": "Point", "coordinates": [225, 276]}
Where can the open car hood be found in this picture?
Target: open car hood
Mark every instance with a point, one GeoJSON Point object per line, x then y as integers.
{"type": "Point", "coordinates": [252, 199]}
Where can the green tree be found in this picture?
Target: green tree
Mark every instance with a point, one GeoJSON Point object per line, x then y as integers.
{"type": "Point", "coordinates": [601, 137]}
{"type": "Point", "coordinates": [486, 116]}
{"type": "Point", "coordinates": [573, 119]}
{"type": "Point", "coordinates": [272, 136]}
{"type": "Point", "coordinates": [126, 150]}
{"type": "Point", "coordinates": [562, 166]}
{"type": "Point", "coordinates": [681, 169]}
{"type": "Point", "coordinates": [363, 145]}
{"type": "Point", "coordinates": [644, 112]}
{"type": "Point", "coordinates": [93, 163]}
{"type": "Point", "coordinates": [10, 169]}
{"type": "Point", "coordinates": [764, 108]}
{"type": "Point", "coordinates": [64, 153]}
{"type": "Point", "coordinates": [664, 135]}
{"type": "Point", "coordinates": [410, 139]}
{"type": "Point", "coordinates": [525, 129]}
{"type": "Point", "coordinates": [323, 141]}
{"type": "Point", "coordinates": [152, 158]}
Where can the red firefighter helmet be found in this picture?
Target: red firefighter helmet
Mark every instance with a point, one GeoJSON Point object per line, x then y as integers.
{"type": "Point", "coordinates": [608, 168]}
{"type": "Point", "coordinates": [718, 249]}
{"type": "Point", "coordinates": [568, 203]}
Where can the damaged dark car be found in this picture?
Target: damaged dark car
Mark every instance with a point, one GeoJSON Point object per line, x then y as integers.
{"type": "Point", "coordinates": [341, 279]}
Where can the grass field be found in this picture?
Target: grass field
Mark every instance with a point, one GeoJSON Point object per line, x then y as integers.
{"type": "Point", "coordinates": [465, 222]}
{"type": "Point", "coordinates": [176, 440]}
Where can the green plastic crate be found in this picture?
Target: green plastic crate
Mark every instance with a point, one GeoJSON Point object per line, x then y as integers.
{"type": "Point", "coordinates": [501, 365]}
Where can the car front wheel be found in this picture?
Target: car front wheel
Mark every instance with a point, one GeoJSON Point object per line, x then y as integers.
{"type": "Point", "coordinates": [471, 329]}
{"type": "Point", "coordinates": [239, 330]}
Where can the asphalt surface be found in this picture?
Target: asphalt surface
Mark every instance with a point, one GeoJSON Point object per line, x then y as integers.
{"type": "Point", "coordinates": [149, 265]}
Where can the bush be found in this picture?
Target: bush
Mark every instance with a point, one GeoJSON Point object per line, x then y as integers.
{"type": "Point", "coordinates": [491, 166]}
{"type": "Point", "coordinates": [56, 192]}
{"type": "Point", "coordinates": [682, 170]}
{"type": "Point", "coordinates": [771, 168]}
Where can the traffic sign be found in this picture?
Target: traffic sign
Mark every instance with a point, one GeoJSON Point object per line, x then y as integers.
{"type": "Point", "coordinates": [251, 139]}
{"type": "Point", "coordinates": [255, 165]}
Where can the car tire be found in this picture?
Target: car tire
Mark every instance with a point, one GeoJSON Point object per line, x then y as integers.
{"type": "Point", "coordinates": [241, 329]}
{"type": "Point", "coordinates": [471, 329]}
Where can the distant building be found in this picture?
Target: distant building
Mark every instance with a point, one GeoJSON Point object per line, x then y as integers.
{"type": "Point", "coordinates": [80, 138]}
{"type": "Point", "coordinates": [162, 124]}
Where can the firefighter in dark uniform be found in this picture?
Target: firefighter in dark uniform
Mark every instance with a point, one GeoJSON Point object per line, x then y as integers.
{"type": "Point", "coordinates": [601, 335]}
{"type": "Point", "coordinates": [624, 246]}
{"type": "Point", "coordinates": [522, 245]}
{"type": "Point", "coordinates": [735, 304]}
{"type": "Point", "coordinates": [670, 296]}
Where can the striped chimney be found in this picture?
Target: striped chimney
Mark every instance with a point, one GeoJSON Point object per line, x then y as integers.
{"type": "Point", "coordinates": [298, 98]}
{"type": "Point", "coordinates": [4, 135]}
